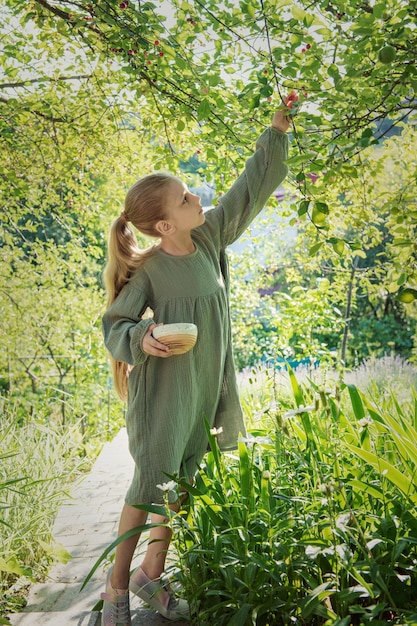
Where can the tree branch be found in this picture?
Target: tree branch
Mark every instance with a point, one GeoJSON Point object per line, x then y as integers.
{"type": "Point", "coordinates": [32, 81]}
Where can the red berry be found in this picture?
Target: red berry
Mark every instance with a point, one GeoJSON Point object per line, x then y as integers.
{"type": "Point", "coordinates": [156, 42]}
{"type": "Point", "coordinates": [303, 50]}
{"type": "Point", "coordinates": [161, 54]}
{"type": "Point", "coordinates": [292, 96]}
{"type": "Point", "coordinates": [308, 46]}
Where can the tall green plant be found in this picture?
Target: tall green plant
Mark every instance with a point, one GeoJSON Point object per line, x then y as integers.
{"type": "Point", "coordinates": [282, 532]}
{"type": "Point", "coordinates": [37, 466]}
{"type": "Point", "coordinates": [389, 440]}
{"type": "Point", "coordinates": [293, 528]}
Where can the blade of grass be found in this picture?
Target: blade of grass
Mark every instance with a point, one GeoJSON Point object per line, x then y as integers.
{"type": "Point", "coordinates": [246, 485]}
{"type": "Point", "coordinates": [394, 475]}
{"type": "Point", "coordinates": [296, 389]}
{"type": "Point", "coordinates": [214, 448]}
{"type": "Point", "coordinates": [356, 401]}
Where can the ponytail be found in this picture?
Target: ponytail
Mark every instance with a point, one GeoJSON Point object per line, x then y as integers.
{"type": "Point", "coordinates": [124, 259]}
{"type": "Point", "coordinates": [144, 207]}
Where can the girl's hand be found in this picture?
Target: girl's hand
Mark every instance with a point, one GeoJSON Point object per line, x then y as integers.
{"type": "Point", "coordinates": [282, 118]}
{"type": "Point", "coordinates": [152, 346]}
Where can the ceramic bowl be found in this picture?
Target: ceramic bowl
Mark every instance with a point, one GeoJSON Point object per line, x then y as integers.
{"type": "Point", "coordinates": [179, 337]}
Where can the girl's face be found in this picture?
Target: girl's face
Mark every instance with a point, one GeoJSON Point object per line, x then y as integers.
{"type": "Point", "coordinates": [183, 208]}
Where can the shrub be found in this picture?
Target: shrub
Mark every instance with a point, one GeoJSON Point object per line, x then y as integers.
{"type": "Point", "coordinates": [38, 463]}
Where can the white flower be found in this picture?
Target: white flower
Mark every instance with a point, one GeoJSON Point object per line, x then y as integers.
{"type": "Point", "coordinates": [167, 486]}
{"type": "Point", "coordinates": [300, 409]}
{"type": "Point", "coordinates": [365, 421]}
{"type": "Point", "coordinates": [251, 441]}
{"type": "Point", "coordinates": [216, 431]}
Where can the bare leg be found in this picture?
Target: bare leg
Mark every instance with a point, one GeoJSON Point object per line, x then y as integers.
{"type": "Point", "coordinates": [154, 561]}
{"type": "Point", "coordinates": [130, 518]}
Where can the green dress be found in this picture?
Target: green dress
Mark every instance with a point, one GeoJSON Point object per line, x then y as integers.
{"type": "Point", "coordinates": [168, 399]}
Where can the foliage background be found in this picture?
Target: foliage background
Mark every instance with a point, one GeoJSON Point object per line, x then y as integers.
{"type": "Point", "coordinates": [93, 95]}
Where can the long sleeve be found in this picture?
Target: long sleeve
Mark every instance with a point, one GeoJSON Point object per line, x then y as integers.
{"type": "Point", "coordinates": [264, 172]}
{"type": "Point", "coordinates": [124, 328]}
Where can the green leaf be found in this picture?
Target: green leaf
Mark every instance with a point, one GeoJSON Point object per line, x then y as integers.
{"type": "Point", "coordinates": [296, 389]}
{"type": "Point", "coordinates": [394, 475]}
{"type": "Point", "coordinates": [356, 401]}
{"type": "Point", "coordinates": [373, 491]}
{"type": "Point", "coordinates": [339, 246]}
{"type": "Point", "coordinates": [301, 158]}
{"type": "Point", "coordinates": [319, 214]}
{"type": "Point", "coordinates": [312, 251]}
{"type": "Point", "coordinates": [57, 551]}
{"type": "Point", "coordinates": [266, 91]}
{"type": "Point", "coordinates": [239, 618]}
{"type": "Point", "coordinates": [360, 253]}
{"type": "Point", "coordinates": [298, 13]}
{"type": "Point", "coordinates": [203, 110]}
{"type": "Point", "coordinates": [407, 295]}
{"type": "Point", "coordinates": [12, 566]}
{"type": "Point", "coordinates": [402, 278]}
{"type": "Point", "coordinates": [214, 447]}
{"type": "Point", "coordinates": [303, 207]}
{"type": "Point", "coordinates": [245, 476]}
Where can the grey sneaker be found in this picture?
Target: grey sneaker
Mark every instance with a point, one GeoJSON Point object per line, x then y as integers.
{"type": "Point", "coordinates": [159, 596]}
{"type": "Point", "coordinates": [116, 609]}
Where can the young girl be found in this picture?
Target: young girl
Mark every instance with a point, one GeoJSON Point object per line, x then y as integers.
{"type": "Point", "coordinates": [183, 278]}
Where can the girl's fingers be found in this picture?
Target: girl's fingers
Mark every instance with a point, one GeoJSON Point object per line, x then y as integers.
{"type": "Point", "coordinates": [152, 346]}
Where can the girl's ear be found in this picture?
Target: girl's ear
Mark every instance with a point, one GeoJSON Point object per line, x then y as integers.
{"type": "Point", "coordinates": [164, 228]}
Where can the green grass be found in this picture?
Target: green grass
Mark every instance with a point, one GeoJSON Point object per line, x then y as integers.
{"type": "Point", "coordinates": [37, 465]}
{"type": "Point", "coordinates": [313, 520]}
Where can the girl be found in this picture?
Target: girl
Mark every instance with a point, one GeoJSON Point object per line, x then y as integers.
{"type": "Point", "coordinates": [183, 278]}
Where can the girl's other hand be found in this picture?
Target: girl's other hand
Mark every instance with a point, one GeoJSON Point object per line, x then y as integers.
{"type": "Point", "coordinates": [282, 118]}
{"type": "Point", "coordinates": [152, 346]}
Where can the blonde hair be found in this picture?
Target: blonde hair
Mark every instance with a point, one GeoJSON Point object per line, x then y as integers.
{"type": "Point", "coordinates": [144, 208]}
